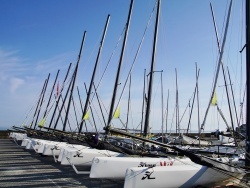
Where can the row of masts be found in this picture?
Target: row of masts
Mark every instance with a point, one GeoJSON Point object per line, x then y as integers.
{"type": "Point", "coordinates": [87, 105]}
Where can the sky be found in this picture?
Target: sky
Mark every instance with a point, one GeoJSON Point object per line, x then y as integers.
{"type": "Point", "coordinates": [38, 38]}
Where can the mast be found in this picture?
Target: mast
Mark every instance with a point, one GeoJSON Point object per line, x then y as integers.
{"type": "Point", "coordinates": [143, 99]}
{"type": "Point", "coordinates": [74, 107]}
{"type": "Point", "coordinates": [177, 105]}
{"type": "Point", "coordinates": [80, 100]}
{"type": "Point", "coordinates": [167, 113]}
{"type": "Point", "coordinates": [58, 99]}
{"type": "Point", "coordinates": [79, 96]}
{"type": "Point", "coordinates": [223, 71]}
{"type": "Point", "coordinates": [45, 113]}
{"type": "Point", "coordinates": [93, 75]}
{"type": "Point", "coordinates": [45, 87]}
{"type": "Point", "coordinates": [248, 83]}
{"type": "Point", "coordinates": [162, 116]}
{"type": "Point", "coordinates": [192, 106]}
{"type": "Point", "coordinates": [128, 111]}
{"type": "Point", "coordinates": [198, 104]}
{"type": "Point", "coordinates": [118, 69]}
{"type": "Point", "coordinates": [99, 103]}
{"type": "Point", "coordinates": [146, 124]}
{"type": "Point", "coordinates": [74, 80]}
{"type": "Point", "coordinates": [63, 102]}
{"type": "Point", "coordinates": [38, 102]}
{"type": "Point", "coordinates": [235, 111]}
{"type": "Point", "coordinates": [221, 50]}
{"type": "Point", "coordinates": [90, 110]}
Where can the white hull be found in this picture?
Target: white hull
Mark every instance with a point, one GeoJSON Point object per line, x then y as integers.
{"type": "Point", "coordinates": [173, 176]}
{"type": "Point", "coordinates": [40, 144]}
{"type": "Point", "coordinates": [189, 140]}
{"type": "Point", "coordinates": [70, 147]}
{"type": "Point", "coordinates": [117, 166]}
{"type": "Point", "coordinates": [17, 136]}
{"type": "Point", "coordinates": [226, 139]}
{"type": "Point", "coordinates": [31, 143]}
{"type": "Point", "coordinates": [25, 142]}
{"type": "Point", "coordinates": [85, 156]}
{"type": "Point", "coordinates": [53, 148]}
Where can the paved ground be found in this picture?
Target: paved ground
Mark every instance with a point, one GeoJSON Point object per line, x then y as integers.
{"type": "Point", "coordinates": [22, 168]}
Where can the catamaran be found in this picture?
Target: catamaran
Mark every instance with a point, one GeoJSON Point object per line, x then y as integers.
{"type": "Point", "coordinates": [101, 164]}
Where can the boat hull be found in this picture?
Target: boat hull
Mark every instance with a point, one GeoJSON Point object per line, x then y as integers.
{"type": "Point", "coordinates": [85, 157]}
{"type": "Point", "coordinates": [117, 166]}
{"type": "Point", "coordinates": [175, 176]}
{"type": "Point", "coordinates": [70, 147]}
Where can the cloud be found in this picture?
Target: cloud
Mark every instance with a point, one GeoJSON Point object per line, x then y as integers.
{"type": "Point", "coordinates": [15, 83]}
{"type": "Point", "coordinates": [16, 70]}
{"type": "Point", "coordinates": [21, 80]}
{"type": "Point", "coordinates": [54, 63]}
{"type": "Point", "coordinates": [10, 64]}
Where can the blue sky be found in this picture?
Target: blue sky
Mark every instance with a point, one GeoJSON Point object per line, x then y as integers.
{"type": "Point", "coordinates": [40, 37]}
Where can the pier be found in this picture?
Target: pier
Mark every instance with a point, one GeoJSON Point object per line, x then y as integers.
{"type": "Point", "coordinates": [22, 168]}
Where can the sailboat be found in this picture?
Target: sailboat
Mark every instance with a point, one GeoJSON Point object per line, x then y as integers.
{"type": "Point", "coordinates": [99, 163]}
{"type": "Point", "coordinates": [201, 171]}
{"type": "Point", "coordinates": [50, 141]}
{"type": "Point", "coordinates": [207, 171]}
{"type": "Point", "coordinates": [84, 156]}
{"type": "Point", "coordinates": [197, 170]}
